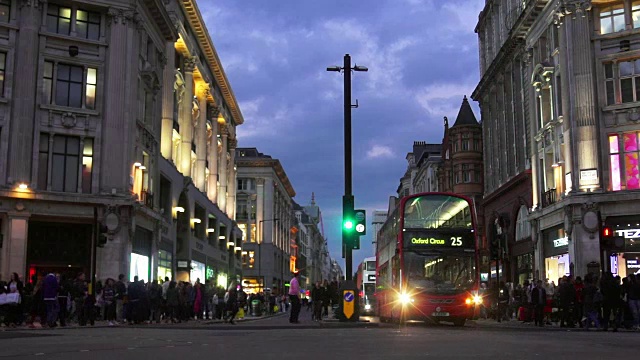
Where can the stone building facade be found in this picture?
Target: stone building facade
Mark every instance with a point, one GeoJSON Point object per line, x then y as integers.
{"type": "Point", "coordinates": [501, 94]}
{"type": "Point", "coordinates": [270, 258]}
{"type": "Point", "coordinates": [578, 59]}
{"type": "Point", "coordinates": [461, 168]}
{"type": "Point", "coordinates": [92, 100]}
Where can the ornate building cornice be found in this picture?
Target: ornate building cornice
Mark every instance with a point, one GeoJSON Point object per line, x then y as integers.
{"type": "Point", "coordinates": [121, 16]}
{"type": "Point", "coordinates": [571, 7]}
{"type": "Point", "coordinates": [31, 3]}
{"type": "Point", "coordinates": [190, 63]}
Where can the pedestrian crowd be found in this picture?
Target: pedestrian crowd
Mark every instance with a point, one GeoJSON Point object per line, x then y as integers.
{"type": "Point", "coordinates": [57, 300]}
{"type": "Point", "coordinates": [593, 302]}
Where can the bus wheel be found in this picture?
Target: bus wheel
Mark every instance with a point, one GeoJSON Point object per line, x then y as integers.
{"type": "Point", "coordinates": [459, 322]}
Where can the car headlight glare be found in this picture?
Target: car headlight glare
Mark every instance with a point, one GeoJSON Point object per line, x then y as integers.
{"type": "Point", "coordinates": [477, 299]}
{"type": "Point", "coordinates": [405, 298]}
{"type": "Point", "coordinates": [367, 307]}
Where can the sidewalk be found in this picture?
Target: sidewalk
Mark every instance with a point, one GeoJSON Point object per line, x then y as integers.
{"type": "Point", "coordinates": [519, 325]}
{"type": "Point", "coordinates": [105, 324]}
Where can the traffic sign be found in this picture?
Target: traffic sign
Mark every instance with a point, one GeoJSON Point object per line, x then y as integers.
{"type": "Point", "coordinates": [348, 304]}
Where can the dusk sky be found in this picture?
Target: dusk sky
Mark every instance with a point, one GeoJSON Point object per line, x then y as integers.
{"type": "Point", "coordinates": [422, 57]}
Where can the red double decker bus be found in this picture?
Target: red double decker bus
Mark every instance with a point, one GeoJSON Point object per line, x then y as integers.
{"type": "Point", "coordinates": [427, 260]}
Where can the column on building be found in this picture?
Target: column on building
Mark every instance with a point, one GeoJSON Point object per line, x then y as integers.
{"type": "Point", "coordinates": [583, 101]}
{"type": "Point", "coordinates": [186, 117]}
{"type": "Point", "coordinates": [201, 137]}
{"type": "Point", "coordinates": [259, 208]}
{"type": "Point", "coordinates": [14, 248]}
{"type": "Point", "coordinates": [222, 191]}
{"type": "Point", "coordinates": [168, 98]}
{"type": "Point", "coordinates": [231, 184]}
{"type": "Point", "coordinates": [115, 164]}
{"type": "Point", "coordinates": [212, 191]}
{"type": "Point", "coordinates": [22, 124]}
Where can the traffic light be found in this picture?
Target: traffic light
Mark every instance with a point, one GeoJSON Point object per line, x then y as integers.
{"type": "Point", "coordinates": [361, 221]}
{"type": "Point", "coordinates": [611, 242]}
{"type": "Point", "coordinates": [348, 222]}
{"type": "Point", "coordinates": [102, 235]}
{"type": "Point", "coordinates": [494, 247]}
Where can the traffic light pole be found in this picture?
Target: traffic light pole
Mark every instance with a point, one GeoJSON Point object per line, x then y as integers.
{"type": "Point", "coordinates": [348, 192]}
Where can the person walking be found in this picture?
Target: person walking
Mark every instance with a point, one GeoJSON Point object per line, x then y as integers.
{"type": "Point", "coordinates": [231, 301]}
{"type": "Point", "coordinates": [63, 299]}
{"type": "Point", "coordinates": [539, 301]}
{"type": "Point", "coordinates": [121, 291]}
{"type": "Point", "coordinates": [108, 296]}
{"type": "Point", "coordinates": [50, 289]}
{"type": "Point", "coordinates": [294, 297]}
{"type": "Point", "coordinates": [317, 294]}
{"type": "Point", "coordinates": [566, 299]}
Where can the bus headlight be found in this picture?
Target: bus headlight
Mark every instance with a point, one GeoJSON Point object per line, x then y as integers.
{"type": "Point", "coordinates": [367, 307]}
{"type": "Point", "coordinates": [477, 299]}
{"type": "Point", "coordinates": [405, 299]}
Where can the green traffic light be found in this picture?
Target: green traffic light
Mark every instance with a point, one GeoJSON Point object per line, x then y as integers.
{"type": "Point", "coordinates": [348, 224]}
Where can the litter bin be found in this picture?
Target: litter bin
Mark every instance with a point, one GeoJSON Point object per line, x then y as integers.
{"type": "Point", "coordinates": [256, 308]}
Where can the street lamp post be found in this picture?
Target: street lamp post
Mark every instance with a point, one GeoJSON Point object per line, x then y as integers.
{"type": "Point", "coordinates": [260, 251]}
{"type": "Point", "coordinates": [347, 200]}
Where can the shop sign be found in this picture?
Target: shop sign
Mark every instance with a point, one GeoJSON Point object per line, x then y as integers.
{"type": "Point", "coordinates": [183, 264]}
{"type": "Point", "coordinates": [589, 175]}
{"type": "Point", "coordinates": [561, 242]}
{"type": "Point", "coordinates": [614, 264]}
{"type": "Point", "coordinates": [633, 264]}
{"type": "Point", "coordinates": [629, 233]}
{"type": "Point", "coordinates": [209, 273]}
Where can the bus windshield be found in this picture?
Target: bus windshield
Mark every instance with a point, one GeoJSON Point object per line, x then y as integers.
{"type": "Point", "coordinates": [436, 211]}
{"type": "Point", "coordinates": [439, 273]}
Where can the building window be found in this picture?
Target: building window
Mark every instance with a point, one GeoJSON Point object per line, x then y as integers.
{"type": "Point", "coordinates": [477, 145]}
{"type": "Point", "coordinates": [635, 14]}
{"type": "Point", "coordinates": [628, 78]}
{"type": "Point", "coordinates": [87, 165]}
{"type": "Point", "coordinates": [523, 229]}
{"type": "Point", "coordinates": [466, 174]}
{"type": "Point", "coordinates": [3, 66]}
{"type": "Point", "coordinates": [465, 145]}
{"type": "Point", "coordinates": [5, 10]}
{"type": "Point", "coordinates": [47, 82]}
{"type": "Point", "coordinates": [88, 24]}
{"type": "Point", "coordinates": [90, 92]}
{"type": "Point", "coordinates": [58, 19]}
{"type": "Point", "coordinates": [612, 19]}
{"type": "Point", "coordinates": [43, 161]}
{"type": "Point", "coordinates": [70, 85]}
{"type": "Point", "coordinates": [65, 163]}
{"type": "Point", "coordinates": [624, 164]}
{"type": "Point", "coordinates": [629, 83]}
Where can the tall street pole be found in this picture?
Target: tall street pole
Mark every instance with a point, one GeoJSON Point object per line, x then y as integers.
{"type": "Point", "coordinates": [347, 201]}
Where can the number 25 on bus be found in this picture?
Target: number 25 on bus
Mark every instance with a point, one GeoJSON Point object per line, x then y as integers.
{"type": "Point", "coordinates": [428, 260]}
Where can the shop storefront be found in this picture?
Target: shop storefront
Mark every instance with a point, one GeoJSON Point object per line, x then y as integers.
{"type": "Point", "coordinates": [625, 260]}
{"type": "Point", "coordinates": [524, 268]}
{"type": "Point", "coordinates": [252, 285]}
{"type": "Point", "coordinates": [198, 271]}
{"type": "Point", "coordinates": [164, 265]}
{"type": "Point", "coordinates": [140, 262]}
{"type": "Point", "coordinates": [556, 254]}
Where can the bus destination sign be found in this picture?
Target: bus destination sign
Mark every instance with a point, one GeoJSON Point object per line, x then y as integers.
{"type": "Point", "coordinates": [438, 239]}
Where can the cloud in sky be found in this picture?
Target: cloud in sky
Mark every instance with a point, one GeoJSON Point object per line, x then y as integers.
{"type": "Point", "coordinates": [422, 58]}
{"type": "Point", "coordinates": [379, 151]}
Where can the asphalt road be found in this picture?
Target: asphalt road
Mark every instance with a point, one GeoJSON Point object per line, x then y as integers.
{"type": "Point", "coordinates": [275, 338]}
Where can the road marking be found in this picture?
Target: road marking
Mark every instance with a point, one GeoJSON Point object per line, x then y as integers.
{"type": "Point", "coordinates": [38, 354]}
{"type": "Point", "coordinates": [84, 350]}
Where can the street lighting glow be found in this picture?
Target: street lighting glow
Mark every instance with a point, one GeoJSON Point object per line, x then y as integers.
{"type": "Point", "coordinates": [23, 186]}
{"type": "Point", "coordinates": [333, 68]}
{"type": "Point", "coordinates": [360, 68]}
